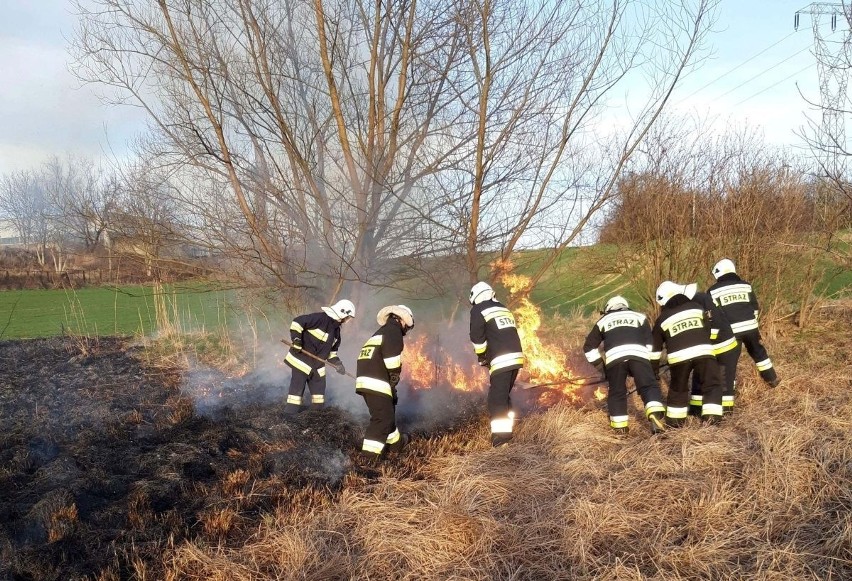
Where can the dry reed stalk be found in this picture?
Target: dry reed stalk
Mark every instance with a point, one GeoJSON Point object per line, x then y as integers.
{"type": "Point", "coordinates": [765, 496]}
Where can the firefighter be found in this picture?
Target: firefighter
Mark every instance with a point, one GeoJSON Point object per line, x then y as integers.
{"type": "Point", "coordinates": [317, 334]}
{"type": "Point", "coordinates": [724, 349]}
{"type": "Point", "coordinates": [737, 300]}
{"type": "Point", "coordinates": [684, 331]}
{"type": "Point", "coordinates": [378, 368]}
{"type": "Point", "coordinates": [626, 337]}
{"type": "Point", "coordinates": [498, 347]}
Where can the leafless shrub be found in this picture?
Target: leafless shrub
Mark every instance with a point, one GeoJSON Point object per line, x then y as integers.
{"type": "Point", "coordinates": [696, 200]}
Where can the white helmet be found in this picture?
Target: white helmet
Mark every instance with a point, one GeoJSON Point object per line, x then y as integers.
{"type": "Point", "coordinates": [481, 291]}
{"type": "Point", "coordinates": [690, 290]}
{"type": "Point", "coordinates": [724, 266]}
{"type": "Point", "coordinates": [615, 303]}
{"type": "Point", "coordinates": [340, 310]}
{"type": "Point", "coordinates": [401, 311]}
{"type": "Point", "coordinates": [669, 289]}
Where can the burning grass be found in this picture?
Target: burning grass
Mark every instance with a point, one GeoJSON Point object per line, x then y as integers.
{"type": "Point", "coordinates": [106, 457]}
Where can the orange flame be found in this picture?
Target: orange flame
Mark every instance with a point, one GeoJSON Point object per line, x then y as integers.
{"type": "Point", "coordinates": [544, 363]}
{"type": "Point", "coordinates": [430, 366]}
{"type": "Point", "coordinates": [426, 364]}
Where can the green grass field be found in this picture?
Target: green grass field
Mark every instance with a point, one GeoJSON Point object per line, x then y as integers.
{"type": "Point", "coordinates": [574, 283]}
{"type": "Point", "coordinates": [125, 310]}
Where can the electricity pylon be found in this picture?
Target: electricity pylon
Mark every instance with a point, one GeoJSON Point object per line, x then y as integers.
{"type": "Point", "coordinates": [833, 65]}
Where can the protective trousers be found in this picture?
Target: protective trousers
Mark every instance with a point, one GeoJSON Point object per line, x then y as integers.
{"type": "Point", "coordinates": [710, 382]}
{"type": "Point", "coordinates": [500, 406]}
{"type": "Point", "coordinates": [316, 385]}
{"type": "Point", "coordinates": [727, 363]}
{"type": "Point", "coordinates": [647, 386]}
{"type": "Point", "coordinates": [382, 430]}
{"type": "Point", "coordinates": [758, 353]}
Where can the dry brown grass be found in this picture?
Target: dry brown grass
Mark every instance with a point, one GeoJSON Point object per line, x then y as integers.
{"type": "Point", "coordinates": [765, 496]}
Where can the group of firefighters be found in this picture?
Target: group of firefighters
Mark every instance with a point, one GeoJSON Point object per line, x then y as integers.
{"type": "Point", "coordinates": [702, 334]}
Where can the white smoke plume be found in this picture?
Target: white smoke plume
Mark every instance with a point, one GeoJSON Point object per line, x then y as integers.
{"type": "Point", "coordinates": [424, 409]}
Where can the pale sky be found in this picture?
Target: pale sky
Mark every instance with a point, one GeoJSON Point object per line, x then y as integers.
{"type": "Point", "coordinates": [752, 79]}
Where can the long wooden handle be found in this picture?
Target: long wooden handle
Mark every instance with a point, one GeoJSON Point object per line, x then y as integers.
{"type": "Point", "coordinates": [317, 357]}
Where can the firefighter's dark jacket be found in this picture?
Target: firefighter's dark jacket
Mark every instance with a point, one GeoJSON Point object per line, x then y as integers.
{"type": "Point", "coordinates": [320, 335]}
{"type": "Point", "coordinates": [625, 334]}
{"type": "Point", "coordinates": [495, 336]}
{"type": "Point", "coordinates": [684, 330]}
{"type": "Point", "coordinates": [380, 357]}
{"type": "Point", "coordinates": [737, 300]}
{"type": "Point", "coordinates": [721, 335]}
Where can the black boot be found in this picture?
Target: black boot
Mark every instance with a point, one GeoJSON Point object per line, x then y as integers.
{"type": "Point", "coordinates": [675, 422]}
{"type": "Point", "coordinates": [500, 440]}
{"type": "Point", "coordinates": [403, 441]}
{"type": "Point", "coordinates": [621, 433]}
{"type": "Point", "coordinates": [711, 420]}
{"type": "Point", "coordinates": [368, 465]}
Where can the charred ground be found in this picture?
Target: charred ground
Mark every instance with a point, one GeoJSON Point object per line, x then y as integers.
{"type": "Point", "coordinates": [105, 460]}
{"type": "Point", "coordinates": [117, 464]}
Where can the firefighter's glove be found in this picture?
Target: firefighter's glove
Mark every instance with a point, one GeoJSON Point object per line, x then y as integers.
{"type": "Point", "coordinates": [483, 360]}
{"type": "Point", "coordinates": [655, 365]}
{"type": "Point", "coordinates": [393, 380]}
{"type": "Point", "coordinates": [339, 367]}
{"type": "Point", "coordinates": [599, 365]}
{"type": "Point", "coordinates": [297, 344]}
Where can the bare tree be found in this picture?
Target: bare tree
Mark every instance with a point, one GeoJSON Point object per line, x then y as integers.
{"type": "Point", "coordinates": [22, 203]}
{"type": "Point", "coordinates": [543, 163]}
{"type": "Point", "coordinates": [32, 200]}
{"type": "Point", "coordinates": [88, 197]}
{"type": "Point", "coordinates": [322, 118]}
{"type": "Point", "coordinates": [356, 137]}
{"type": "Point", "coordinates": [146, 221]}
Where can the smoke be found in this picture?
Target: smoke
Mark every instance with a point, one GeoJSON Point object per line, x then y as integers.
{"type": "Point", "coordinates": [425, 409]}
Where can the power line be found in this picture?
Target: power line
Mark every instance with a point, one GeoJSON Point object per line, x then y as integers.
{"type": "Point", "coordinates": [725, 74]}
{"type": "Point", "coordinates": [806, 67]}
{"type": "Point", "coordinates": [757, 76]}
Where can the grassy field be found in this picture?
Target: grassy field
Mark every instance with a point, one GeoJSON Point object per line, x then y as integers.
{"type": "Point", "coordinates": [125, 310]}
{"type": "Point", "coordinates": [763, 496]}
{"type": "Point", "coordinates": [579, 282]}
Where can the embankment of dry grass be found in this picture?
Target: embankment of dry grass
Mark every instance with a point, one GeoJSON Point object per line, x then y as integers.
{"type": "Point", "coordinates": [764, 496]}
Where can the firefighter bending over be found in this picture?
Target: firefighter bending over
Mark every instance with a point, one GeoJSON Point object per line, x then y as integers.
{"type": "Point", "coordinates": [684, 331]}
{"type": "Point", "coordinates": [498, 347]}
{"type": "Point", "coordinates": [378, 369]}
{"type": "Point", "coordinates": [724, 349]}
{"type": "Point", "coordinates": [316, 334]}
{"type": "Point", "coordinates": [737, 301]}
{"type": "Point", "coordinates": [626, 338]}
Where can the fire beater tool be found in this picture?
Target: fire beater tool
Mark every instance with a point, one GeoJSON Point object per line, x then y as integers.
{"type": "Point", "coordinates": [317, 357]}
{"type": "Point", "coordinates": [575, 380]}
{"type": "Point", "coordinates": [581, 381]}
